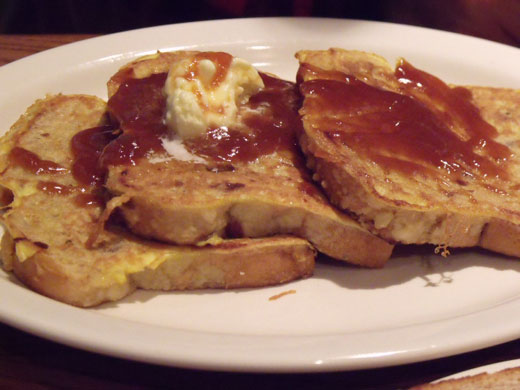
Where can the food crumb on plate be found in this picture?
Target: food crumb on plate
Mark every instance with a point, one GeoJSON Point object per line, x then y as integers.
{"type": "Point", "coordinates": [277, 296]}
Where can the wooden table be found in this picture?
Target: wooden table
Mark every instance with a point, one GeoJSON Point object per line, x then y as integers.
{"type": "Point", "coordinates": [29, 362]}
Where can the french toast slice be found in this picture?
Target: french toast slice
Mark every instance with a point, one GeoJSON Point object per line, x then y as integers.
{"type": "Point", "coordinates": [55, 238]}
{"type": "Point", "coordinates": [417, 161]}
{"type": "Point", "coordinates": [235, 184]}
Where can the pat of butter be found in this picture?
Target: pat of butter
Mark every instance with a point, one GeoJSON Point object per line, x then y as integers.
{"type": "Point", "coordinates": [198, 97]}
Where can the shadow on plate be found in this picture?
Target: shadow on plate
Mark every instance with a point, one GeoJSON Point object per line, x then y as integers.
{"type": "Point", "coordinates": [407, 263]}
{"type": "Point", "coordinates": [414, 261]}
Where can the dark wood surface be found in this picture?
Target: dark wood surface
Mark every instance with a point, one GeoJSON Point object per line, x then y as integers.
{"type": "Point", "coordinates": [30, 362]}
{"type": "Point", "coordinates": [14, 47]}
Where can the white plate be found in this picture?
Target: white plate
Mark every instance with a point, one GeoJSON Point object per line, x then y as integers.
{"type": "Point", "coordinates": [418, 307]}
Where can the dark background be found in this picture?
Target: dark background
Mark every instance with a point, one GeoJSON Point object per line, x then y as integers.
{"type": "Point", "coordinates": [498, 20]}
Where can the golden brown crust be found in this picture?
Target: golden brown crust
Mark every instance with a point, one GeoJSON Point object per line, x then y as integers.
{"type": "Point", "coordinates": [501, 236]}
{"type": "Point", "coordinates": [249, 263]}
{"type": "Point", "coordinates": [415, 209]}
{"type": "Point", "coordinates": [113, 272]}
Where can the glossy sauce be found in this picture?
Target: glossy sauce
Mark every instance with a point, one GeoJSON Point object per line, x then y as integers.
{"type": "Point", "coordinates": [31, 162]}
{"type": "Point", "coordinates": [430, 129]}
{"type": "Point", "coordinates": [87, 146]}
{"type": "Point", "coordinates": [139, 108]}
{"type": "Point", "coordinates": [222, 62]}
{"type": "Point", "coordinates": [272, 130]}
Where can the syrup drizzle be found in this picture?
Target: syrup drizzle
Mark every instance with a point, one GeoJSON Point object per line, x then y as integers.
{"type": "Point", "coordinates": [429, 128]}
{"type": "Point", "coordinates": [139, 108]}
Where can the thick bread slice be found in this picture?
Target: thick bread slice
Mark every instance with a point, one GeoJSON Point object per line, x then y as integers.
{"type": "Point", "coordinates": [82, 277]}
{"type": "Point", "coordinates": [186, 202]}
{"type": "Point", "coordinates": [50, 222]}
{"type": "Point", "coordinates": [426, 203]}
{"type": "Point", "coordinates": [508, 379]}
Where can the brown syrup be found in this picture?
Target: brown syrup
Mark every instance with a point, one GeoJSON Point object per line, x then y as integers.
{"type": "Point", "coordinates": [31, 162]}
{"type": "Point", "coordinates": [221, 60]}
{"type": "Point", "coordinates": [275, 129]}
{"type": "Point", "coordinates": [431, 129]}
{"type": "Point", "coordinates": [87, 146]}
{"type": "Point", "coordinates": [139, 108]}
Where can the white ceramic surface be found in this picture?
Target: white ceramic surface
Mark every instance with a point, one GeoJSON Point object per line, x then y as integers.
{"type": "Point", "coordinates": [419, 307]}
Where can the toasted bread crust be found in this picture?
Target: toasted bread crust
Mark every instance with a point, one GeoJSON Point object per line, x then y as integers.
{"type": "Point", "coordinates": [185, 202]}
{"type": "Point", "coordinates": [259, 206]}
{"type": "Point", "coordinates": [412, 209]}
{"type": "Point", "coordinates": [116, 271]}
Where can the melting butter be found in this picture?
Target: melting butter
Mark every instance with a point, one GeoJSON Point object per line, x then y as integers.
{"type": "Point", "coordinates": [196, 103]}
